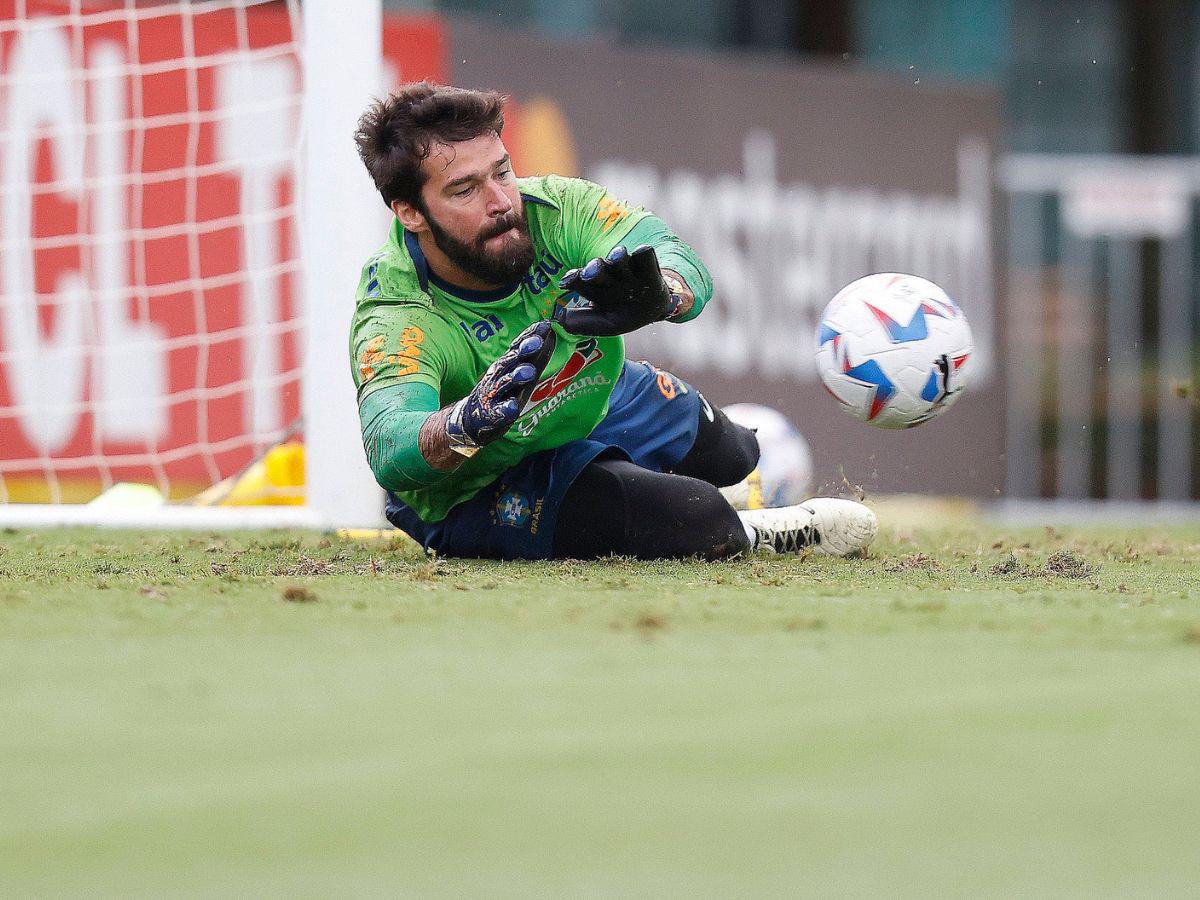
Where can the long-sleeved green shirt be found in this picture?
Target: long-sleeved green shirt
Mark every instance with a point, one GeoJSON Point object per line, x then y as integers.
{"type": "Point", "coordinates": [418, 344]}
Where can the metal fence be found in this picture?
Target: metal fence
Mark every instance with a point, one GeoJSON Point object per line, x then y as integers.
{"type": "Point", "coordinates": [1101, 327]}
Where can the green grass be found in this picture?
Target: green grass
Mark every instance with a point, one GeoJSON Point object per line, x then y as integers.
{"type": "Point", "coordinates": [964, 712]}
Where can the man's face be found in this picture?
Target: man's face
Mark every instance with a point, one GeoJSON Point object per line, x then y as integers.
{"type": "Point", "coordinates": [474, 211]}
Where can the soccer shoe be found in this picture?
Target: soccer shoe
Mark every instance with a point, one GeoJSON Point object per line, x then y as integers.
{"type": "Point", "coordinates": [823, 525]}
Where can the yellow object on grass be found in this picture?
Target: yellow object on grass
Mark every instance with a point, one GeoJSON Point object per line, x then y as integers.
{"type": "Point", "coordinates": [275, 480]}
{"type": "Point", "coordinates": [371, 534]}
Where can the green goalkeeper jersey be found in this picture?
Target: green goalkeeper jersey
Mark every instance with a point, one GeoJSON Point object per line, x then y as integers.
{"type": "Point", "coordinates": [418, 344]}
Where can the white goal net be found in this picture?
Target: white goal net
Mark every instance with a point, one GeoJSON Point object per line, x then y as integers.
{"type": "Point", "coordinates": [152, 316]}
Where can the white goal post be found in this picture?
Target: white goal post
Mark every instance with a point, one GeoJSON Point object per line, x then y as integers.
{"type": "Point", "coordinates": [183, 219]}
{"type": "Point", "coordinates": [343, 223]}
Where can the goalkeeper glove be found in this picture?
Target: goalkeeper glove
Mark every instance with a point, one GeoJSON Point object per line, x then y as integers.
{"type": "Point", "coordinates": [625, 292]}
{"type": "Point", "coordinates": [494, 404]}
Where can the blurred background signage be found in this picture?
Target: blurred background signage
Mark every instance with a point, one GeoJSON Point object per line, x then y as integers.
{"type": "Point", "coordinates": [791, 181]}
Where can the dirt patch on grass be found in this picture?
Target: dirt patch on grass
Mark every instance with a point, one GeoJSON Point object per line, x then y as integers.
{"type": "Point", "coordinates": [935, 605]}
{"type": "Point", "coordinates": [912, 562]}
{"type": "Point", "coordinates": [294, 593]}
{"type": "Point", "coordinates": [1010, 565]}
{"type": "Point", "coordinates": [650, 622]}
{"type": "Point", "coordinates": [305, 567]}
{"type": "Point", "coordinates": [1060, 564]}
{"type": "Point", "coordinates": [1068, 564]}
{"type": "Point", "coordinates": [431, 570]}
{"type": "Point", "coordinates": [646, 624]}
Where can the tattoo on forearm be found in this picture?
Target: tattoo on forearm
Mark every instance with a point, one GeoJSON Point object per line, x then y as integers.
{"type": "Point", "coordinates": [435, 445]}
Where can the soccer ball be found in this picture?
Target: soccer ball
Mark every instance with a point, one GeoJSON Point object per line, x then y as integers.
{"type": "Point", "coordinates": [784, 471]}
{"type": "Point", "coordinates": [893, 350]}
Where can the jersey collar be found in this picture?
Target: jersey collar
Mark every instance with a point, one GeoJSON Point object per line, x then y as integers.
{"type": "Point", "coordinates": [540, 201]}
{"type": "Point", "coordinates": [427, 276]}
{"type": "Point", "coordinates": [417, 255]}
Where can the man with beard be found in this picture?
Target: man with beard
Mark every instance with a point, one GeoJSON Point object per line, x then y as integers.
{"type": "Point", "coordinates": [497, 407]}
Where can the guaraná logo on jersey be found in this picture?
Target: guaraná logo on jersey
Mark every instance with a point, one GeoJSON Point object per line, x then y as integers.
{"type": "Point", "coordinates": [570, 381]}
{"type": "Point", "coordinates": [585, 355]}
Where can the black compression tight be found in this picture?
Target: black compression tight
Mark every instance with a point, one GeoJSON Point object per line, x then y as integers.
{"type": "Point", "coordinates": [616, 507]}
{"type": "Point", "coordinates": [724, 452]}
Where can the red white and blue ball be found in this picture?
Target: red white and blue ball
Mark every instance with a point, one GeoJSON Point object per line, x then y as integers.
{"type": "Point", "coordinates": [894, 350]}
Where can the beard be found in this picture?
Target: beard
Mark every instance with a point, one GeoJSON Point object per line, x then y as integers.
{"type": "Point", "coordinates": [498, 267]}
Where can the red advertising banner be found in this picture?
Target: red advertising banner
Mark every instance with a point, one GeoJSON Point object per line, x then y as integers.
{"type": "Point", "coordinates": [149, 267]}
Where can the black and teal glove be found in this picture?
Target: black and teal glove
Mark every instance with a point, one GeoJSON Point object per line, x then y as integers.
{"type": "Point", "coordinates": [625, 291]}
{"type": "Point", "coordinates": [494, 404]}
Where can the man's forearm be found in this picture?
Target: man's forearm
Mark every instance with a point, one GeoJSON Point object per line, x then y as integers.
{"type": "Point", "coordinates": [434, 443]}
{"type": "Point", "coordinates": [400, 428]}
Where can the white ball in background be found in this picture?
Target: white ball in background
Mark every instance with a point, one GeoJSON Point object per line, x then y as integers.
{"type": "Point", "coordinates": [784, 473]}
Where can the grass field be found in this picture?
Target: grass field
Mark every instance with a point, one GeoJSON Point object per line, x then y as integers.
{"type": "Point", "coordinates": [965, 712]}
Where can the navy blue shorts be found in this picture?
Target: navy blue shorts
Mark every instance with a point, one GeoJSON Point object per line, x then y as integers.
{"type": "Point", "coordinates": [652, 421]}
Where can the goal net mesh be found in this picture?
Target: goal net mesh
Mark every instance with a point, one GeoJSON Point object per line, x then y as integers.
{"type": "Point", "coordinates": [149, 262]}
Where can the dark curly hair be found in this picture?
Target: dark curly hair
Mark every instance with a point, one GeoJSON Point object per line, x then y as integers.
{"type": "Point", "coordinates": [396, 133]}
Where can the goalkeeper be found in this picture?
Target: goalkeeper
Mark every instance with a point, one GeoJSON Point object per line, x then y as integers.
{"type": "Point", "coordinates": [497, 407]}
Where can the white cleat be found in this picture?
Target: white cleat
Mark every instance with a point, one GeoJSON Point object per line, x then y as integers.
{"type": "Point", "coordinates": [822, 525]}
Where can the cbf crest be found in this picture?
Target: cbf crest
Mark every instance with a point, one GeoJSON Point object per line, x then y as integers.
{"type": "Point", "coordinates": [512, 508]}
